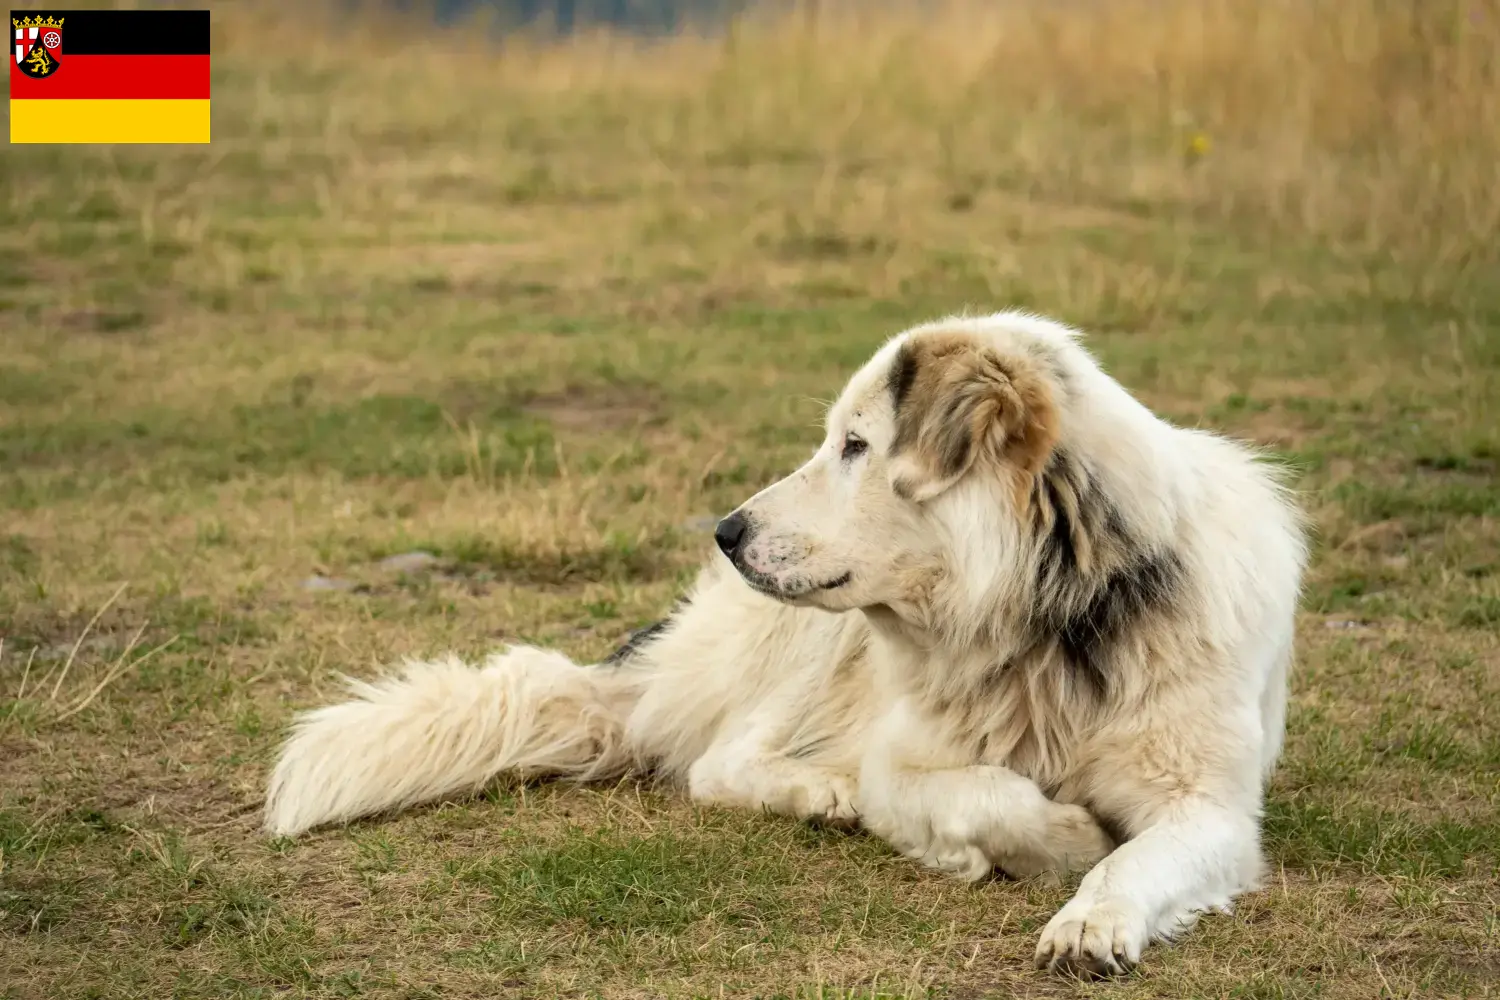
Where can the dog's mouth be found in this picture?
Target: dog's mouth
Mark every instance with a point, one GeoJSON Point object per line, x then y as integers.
{"type": "Point", "coordinates": [765, 584]}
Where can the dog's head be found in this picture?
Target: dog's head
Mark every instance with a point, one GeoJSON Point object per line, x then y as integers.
{"type": "Point", "coordinates": [928, 450]}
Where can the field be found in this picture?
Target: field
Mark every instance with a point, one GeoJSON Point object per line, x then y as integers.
{"type": "Point", "coordinates": [543, 311]}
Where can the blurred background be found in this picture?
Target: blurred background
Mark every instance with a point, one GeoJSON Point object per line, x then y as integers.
{"type": "Point", "coordinates": [473, 316]}
{"type": "Point", "coordinates": [567, 15]}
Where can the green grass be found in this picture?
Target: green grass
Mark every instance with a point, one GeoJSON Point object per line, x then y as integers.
{"type": "Point", "coordinates": [543, 312]}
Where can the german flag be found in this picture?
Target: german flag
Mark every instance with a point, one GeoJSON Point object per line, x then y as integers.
{"type": "Point", "coordinates": [109, 76]}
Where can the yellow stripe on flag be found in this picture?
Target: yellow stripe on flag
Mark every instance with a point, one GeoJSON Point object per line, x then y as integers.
{"type": "Point", "coordinates": [109, 121]}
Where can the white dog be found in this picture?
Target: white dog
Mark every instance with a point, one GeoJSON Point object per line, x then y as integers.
{"type": "Point", "coordinates": [1004, 617]}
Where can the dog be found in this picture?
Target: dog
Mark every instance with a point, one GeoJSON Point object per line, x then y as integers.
{"type": "Point", "coordinates": [1005, 617]}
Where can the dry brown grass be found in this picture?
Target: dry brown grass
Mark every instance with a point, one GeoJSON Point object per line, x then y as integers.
{"type": "Point", "coordinates": [542, 309]}
{"type": "Point", "coordinates": [1360, 120]}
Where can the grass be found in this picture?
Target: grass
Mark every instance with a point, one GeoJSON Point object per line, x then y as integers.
{"type": "Point", "coordinates": [540, 310]}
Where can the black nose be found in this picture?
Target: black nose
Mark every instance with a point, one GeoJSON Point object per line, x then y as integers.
{"type": "Point", "coordinates": [730, 532]}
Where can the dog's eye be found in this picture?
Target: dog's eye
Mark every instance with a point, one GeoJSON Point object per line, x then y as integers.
{"type": "Point", "coordinates": [854, 446]}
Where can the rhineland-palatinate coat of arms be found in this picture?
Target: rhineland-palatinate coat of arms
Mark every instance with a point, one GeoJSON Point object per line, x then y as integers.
{"type": "Point", "coordinates": [38, 44]}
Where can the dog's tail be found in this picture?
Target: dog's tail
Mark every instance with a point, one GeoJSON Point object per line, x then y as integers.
{"type": "Point", "coordinates": [445, 727]}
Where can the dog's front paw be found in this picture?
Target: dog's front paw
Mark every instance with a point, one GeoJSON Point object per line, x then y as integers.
{"type": "Point", "coordinates": [1093, 940]}
{"type": "Point", "coordinates": [782, 786]}
{"type": "Point", "coordinates": [916, 839]}
{"type": "Point", "coordinates": [825, 798]}
{"type": "Point", "coordinates": [961, 860]}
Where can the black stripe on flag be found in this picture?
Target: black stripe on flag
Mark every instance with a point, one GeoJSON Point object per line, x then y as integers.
{"type": "Point", "coordinates": [128, 32]}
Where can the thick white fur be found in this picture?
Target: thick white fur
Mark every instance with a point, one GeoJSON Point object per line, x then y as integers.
{"type": "Point", "coordinates": [876, 652]}
{"type": "Point", "coordinates": [444, 727]}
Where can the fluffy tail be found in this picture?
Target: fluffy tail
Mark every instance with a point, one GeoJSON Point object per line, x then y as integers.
{"type": "Point", "coordinates": [444, 727]}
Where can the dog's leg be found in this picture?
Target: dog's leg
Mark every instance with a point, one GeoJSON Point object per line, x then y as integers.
{"type": "Point", "coordinates": [1191, 808]}
{"type": "Point", "coordinates": [1153, 887]}
{"type": "Point", "coordinates": [780, 784]}
{"type": "Point", "coordinates": [744, 768]}
{"type": "Point", "coordinates": [966, 819]}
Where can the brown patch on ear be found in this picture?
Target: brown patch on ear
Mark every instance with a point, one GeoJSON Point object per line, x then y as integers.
{"type": "Point", "coordinates": [958, 402]}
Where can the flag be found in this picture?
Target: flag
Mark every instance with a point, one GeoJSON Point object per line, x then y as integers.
{"type": "Point", "coordinates": [109, 76]}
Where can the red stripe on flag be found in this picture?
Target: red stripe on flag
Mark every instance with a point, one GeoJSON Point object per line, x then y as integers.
{"type": "Point", "coordinates": [115, 77]}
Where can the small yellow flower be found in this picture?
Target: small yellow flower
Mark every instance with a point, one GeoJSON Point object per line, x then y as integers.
{"type": "Point", "coordinates": [1199, 145]}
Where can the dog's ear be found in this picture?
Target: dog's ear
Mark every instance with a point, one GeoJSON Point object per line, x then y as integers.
{"type": "Point", "coordinates": [958, 403]}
